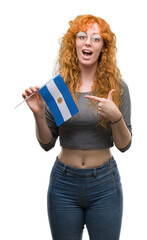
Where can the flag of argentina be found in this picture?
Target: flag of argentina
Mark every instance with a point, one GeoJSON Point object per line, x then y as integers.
{"type": "Point", "coordinates": [59, 99]}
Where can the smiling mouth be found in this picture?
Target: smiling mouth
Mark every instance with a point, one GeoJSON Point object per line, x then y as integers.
{"type": "Point", "coordinates": [87, 52]}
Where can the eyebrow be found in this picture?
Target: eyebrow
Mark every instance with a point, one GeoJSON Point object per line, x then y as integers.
{"type": "Point", "coordinates": [92, 33]}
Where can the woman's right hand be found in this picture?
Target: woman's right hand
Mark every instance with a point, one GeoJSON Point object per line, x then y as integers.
{"type": "Point", "coordinates": [35, 102]}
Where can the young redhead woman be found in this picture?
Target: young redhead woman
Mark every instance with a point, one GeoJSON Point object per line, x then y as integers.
{"type": "Point", "coordinates": [85, 187]}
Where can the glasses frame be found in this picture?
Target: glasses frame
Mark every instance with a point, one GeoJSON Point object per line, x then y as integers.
{"type": "Point", "coordinates": [85, 37]}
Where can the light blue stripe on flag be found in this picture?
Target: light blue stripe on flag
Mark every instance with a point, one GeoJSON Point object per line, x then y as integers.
{"type": "Point", "coordinates": [59, 99]}
{"type": "Point", "coordinates": [67, 97]}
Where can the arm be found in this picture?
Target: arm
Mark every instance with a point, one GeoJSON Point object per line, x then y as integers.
{"type": "Point", "coordinates": [43, 132]}
{"type": "Point", "coordinates": [54, 130]}
{"type": "Point", "coordinates": [121, 135]}
{"type": "Point", "coordinates": [37, 106]}
{"type": "Point", "coordinates": [121, 130]}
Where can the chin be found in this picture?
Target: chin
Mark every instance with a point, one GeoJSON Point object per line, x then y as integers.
{"type": "Point", "coordinates": [88, 63]}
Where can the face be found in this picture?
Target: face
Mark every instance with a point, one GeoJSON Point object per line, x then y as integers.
{"type": "Point", "coordinates": [89, 45]}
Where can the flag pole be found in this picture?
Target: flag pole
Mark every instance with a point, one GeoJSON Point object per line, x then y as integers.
{"type": "Point", "coordinates": [25, 99]}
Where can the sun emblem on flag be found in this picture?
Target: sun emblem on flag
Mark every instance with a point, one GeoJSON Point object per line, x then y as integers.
{"type": "Point", "coordinates": [59, 100]}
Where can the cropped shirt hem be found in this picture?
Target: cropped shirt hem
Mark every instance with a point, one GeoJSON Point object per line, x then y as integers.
{"type": "Point", "coordinates": [86, 147]}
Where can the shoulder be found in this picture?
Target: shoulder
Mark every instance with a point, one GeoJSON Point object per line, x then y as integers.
{"type": "Point", "coordinates": [125, 87]}
{"type": "Point", "coordinates": [125, 96]}
{"type": "Point", "coordinates": [124, 84]}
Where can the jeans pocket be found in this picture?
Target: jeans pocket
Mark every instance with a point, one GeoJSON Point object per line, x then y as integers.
{"type": "Point", "coordinates": [57, 173]}
{"type": "Point", "coordinates": [104, 177]}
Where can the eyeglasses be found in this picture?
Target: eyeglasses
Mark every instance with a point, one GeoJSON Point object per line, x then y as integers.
{"type": "Point", "coordinates": [82, 37]}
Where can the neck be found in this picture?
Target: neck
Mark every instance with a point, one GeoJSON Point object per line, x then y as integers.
{"type": "Point", "coordinates": [87, 74]}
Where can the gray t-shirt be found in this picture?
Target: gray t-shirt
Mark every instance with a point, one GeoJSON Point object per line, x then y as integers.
{"type": "Point", "coordinates": [82, 131]}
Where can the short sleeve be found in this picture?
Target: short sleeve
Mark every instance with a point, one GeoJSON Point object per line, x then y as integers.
{"type": "Point", "coordinates": [53, 128]}
{"type": "Point", "coordinates": [126, 106]}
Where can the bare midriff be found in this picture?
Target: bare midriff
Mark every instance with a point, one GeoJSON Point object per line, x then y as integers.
{"type": "Point", "coordinates": [84, 158]}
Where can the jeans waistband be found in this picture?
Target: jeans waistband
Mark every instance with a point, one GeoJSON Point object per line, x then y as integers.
{"type": "Point", "coordinates": [86, 171]}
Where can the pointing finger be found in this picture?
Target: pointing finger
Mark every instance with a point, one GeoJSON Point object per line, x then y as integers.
{"type": "Point", "coordinates": [98, 99]}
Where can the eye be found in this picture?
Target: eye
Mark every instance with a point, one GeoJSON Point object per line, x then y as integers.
{"type": "Point", "coordinates": [81, 36]}
{"type": "Point", "coordinates": [96, 38]}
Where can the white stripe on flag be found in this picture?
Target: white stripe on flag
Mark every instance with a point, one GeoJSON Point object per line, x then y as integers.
{"type": "Point", "coordinates": [54, 91]}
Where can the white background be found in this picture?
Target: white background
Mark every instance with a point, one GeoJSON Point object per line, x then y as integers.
{"type": "Point", "coordinates": [30, 31]}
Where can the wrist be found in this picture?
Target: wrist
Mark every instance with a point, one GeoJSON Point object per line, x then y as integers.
{"type": "Point", "coordinates": [39, 115]}
{"type": "Point", "coordinates": [115, 115]}
{"type": "Point", "coordinates": [117, 120]}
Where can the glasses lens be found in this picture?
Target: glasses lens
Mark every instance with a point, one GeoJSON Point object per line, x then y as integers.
{"type": "Point", "coordinates": [81, 36]}
{"type": "Point", "coordinates": [96, 37]}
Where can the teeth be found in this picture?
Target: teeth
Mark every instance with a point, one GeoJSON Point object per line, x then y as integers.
{"type": "Point", "coordinates": [87, 51]}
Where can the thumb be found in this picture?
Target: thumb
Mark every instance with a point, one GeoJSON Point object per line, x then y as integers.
{"type": "Point", "coordinates": [110, 95]}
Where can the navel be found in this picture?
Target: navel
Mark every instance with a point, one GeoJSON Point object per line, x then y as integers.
{"type": "Point", "coordinates": [83, 162]}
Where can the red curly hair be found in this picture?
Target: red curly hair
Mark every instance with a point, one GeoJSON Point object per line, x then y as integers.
{"type": "Point", "coordinates": [107, 74]}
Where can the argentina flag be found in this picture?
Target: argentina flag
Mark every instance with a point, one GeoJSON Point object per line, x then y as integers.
{"type": "Point", "coordinates": [59, 99]}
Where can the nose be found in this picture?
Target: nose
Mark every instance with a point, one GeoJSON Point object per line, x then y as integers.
{"type": "Point", "coordinates": [88, 41]}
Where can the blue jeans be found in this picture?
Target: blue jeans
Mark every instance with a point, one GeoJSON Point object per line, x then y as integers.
{"type": "Point", "coordinates": [91, 197]}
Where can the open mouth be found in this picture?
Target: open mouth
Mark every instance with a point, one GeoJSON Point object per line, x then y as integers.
{"type": "Point", "coordinates": [87, 52]}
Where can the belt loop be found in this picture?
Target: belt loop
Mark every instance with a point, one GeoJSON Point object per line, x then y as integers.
{"type": "Point", "coordinates": [110, 162]}
{"type": "Point", "coordinates": [94, 172]}
{"type": "Point", "coordinates": [64, 170]}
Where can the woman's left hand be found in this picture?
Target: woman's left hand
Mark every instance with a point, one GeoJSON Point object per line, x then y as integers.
{"type": "Point", "coordinates": [106, 107]}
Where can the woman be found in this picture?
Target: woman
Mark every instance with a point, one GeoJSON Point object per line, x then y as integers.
{"type": "Point", "coordinates": [85, 187]}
